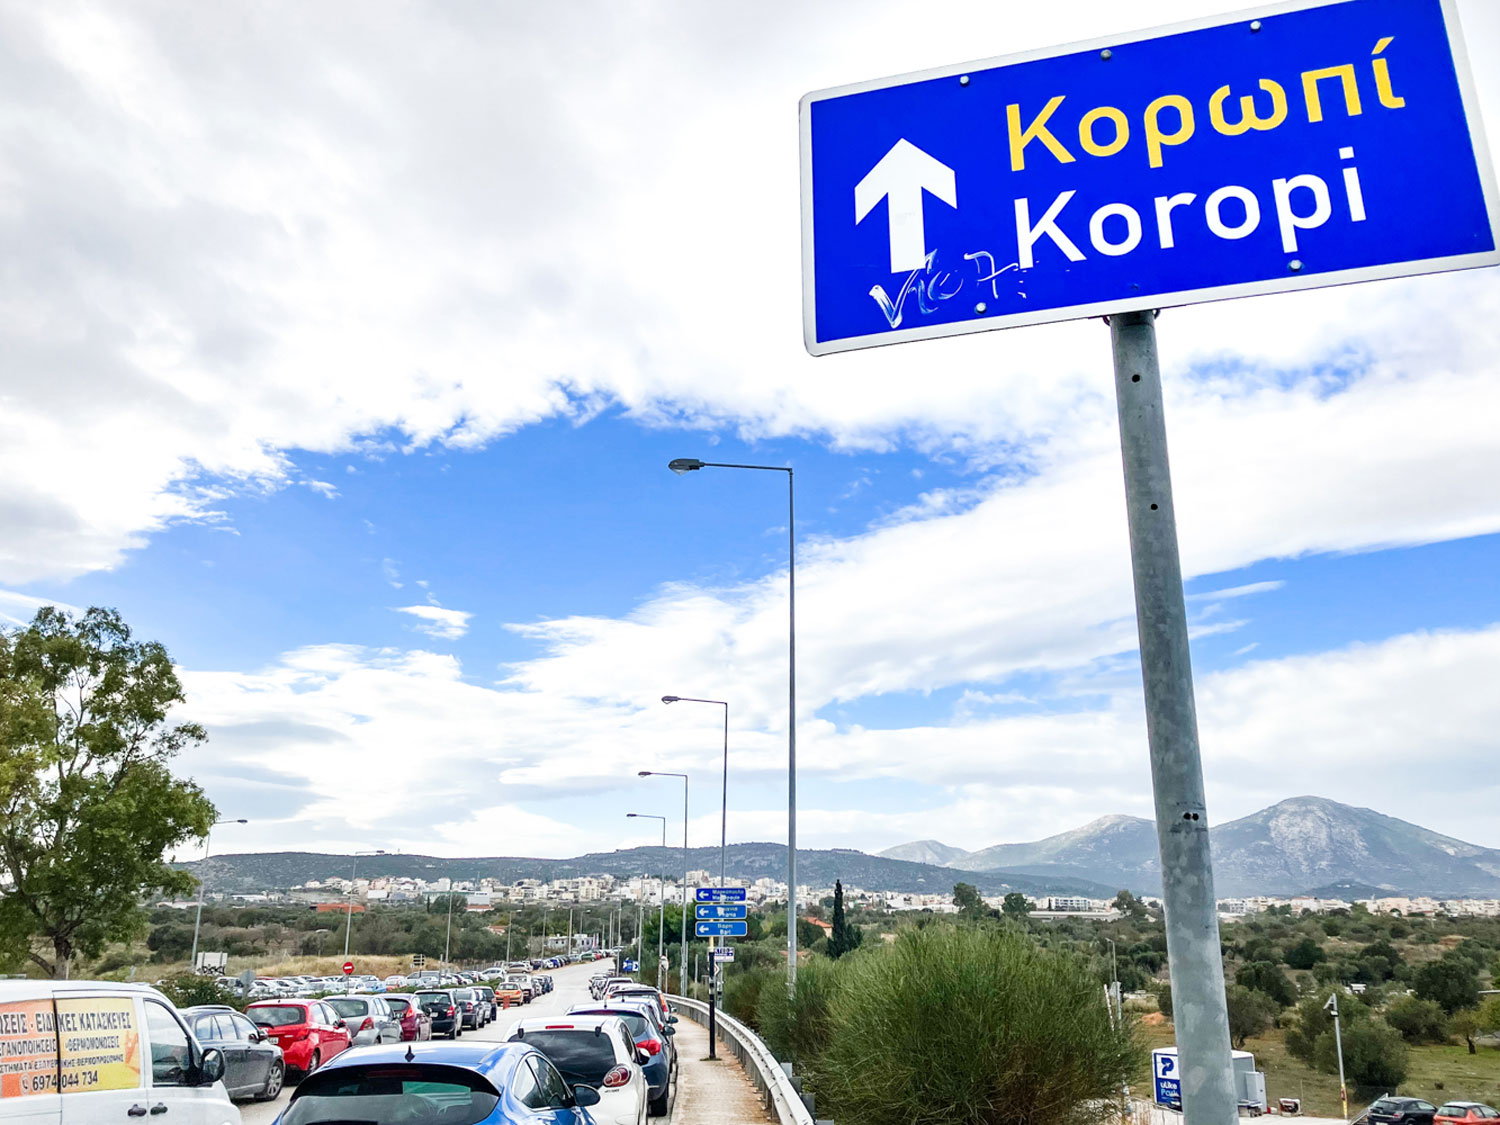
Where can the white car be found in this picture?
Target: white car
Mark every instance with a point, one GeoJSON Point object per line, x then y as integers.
{"type": "Point", "coordinates": [593, 1051]}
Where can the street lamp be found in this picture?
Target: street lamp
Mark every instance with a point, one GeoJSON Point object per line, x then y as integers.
{"type": "Point", "coordinates": [203, 879]}
{"type": "Point", "coordinates": [683, 465]}
{"type": "Point", "coordinates": [661, 922]}
{"type": "Point", "coordinates": [349, 923]}
{"type": "Point", "coordinates": [682, 970]}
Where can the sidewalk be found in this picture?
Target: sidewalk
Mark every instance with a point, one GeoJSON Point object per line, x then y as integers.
{"type": "Point", "coordinates": [711, 1093]}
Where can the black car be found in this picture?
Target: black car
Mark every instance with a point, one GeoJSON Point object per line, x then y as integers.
{"type": "Point", "coordinates": [253, 1066]}
{"type": "Point", "coordinates": [1402, 1111]}
{"type": "Point", "coordinates": [443, 1006]}
{"type": "Point", "coordinates": [470, 1007]}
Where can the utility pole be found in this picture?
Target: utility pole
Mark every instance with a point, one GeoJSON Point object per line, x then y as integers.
{"type": "Point", "coordinates": [1338, 1046]}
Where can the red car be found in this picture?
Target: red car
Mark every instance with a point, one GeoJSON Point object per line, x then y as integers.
{"type": "Point", "coordinates": [415, 1023]}
{"type": "Point", "coordinates": [309, 1032]}
{"type": "Point", "coordinates": [1463, 1113]}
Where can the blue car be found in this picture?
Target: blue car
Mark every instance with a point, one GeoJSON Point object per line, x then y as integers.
{"type": "Point", "coordinates": [451, 1083]}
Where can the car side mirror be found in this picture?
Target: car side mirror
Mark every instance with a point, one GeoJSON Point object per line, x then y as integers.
{"type": "Point", "coordinates": [671, 1019]}
{"type": "Point", "coordinates": [341, 1025]}
{"type": "Point", "coordinates": [669, 1031]}
{"type": "Point", "coordinates": [585, 1096]}
{"type": "Point", "coordinates": [210, 1066]}
{"type": "Point", "coordinates": [642, 1055]}
{"type": "Point", "coordinates": [258, 1036]}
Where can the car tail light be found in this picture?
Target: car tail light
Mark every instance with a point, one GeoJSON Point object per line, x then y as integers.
{"type": "Point", "coordinates": [368, 1025]}
{"type": "Point", "coordinates": [619, 1076]}
{"type": "Point", "coordinates": [451, 1011]}
{"type": "Point", "coordinates": [650, 1046]}
{"type": "Point", "coordinates": [558, 1027]}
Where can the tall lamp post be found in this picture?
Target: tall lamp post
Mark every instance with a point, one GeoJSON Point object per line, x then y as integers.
{"type": "Point", "coordinates": [661, 922]}
{"type": "Point", "coordinates": [349, 922]}
{"type": "Point", "coordinates": [682, 969]}
{"type": "Point", "coordinates": [683, 465]}
{"type": "Point", "coordinates": [197, 921]}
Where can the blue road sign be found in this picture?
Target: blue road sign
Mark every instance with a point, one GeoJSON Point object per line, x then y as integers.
{"type": "Point", "coordinates": [1316, 142]}
{"type": "Point", "coordinates": [1168, 1082]}
{"type": "Point", "coordinates": [730, 910]}
{"type": "Point", "coordinates": [722, 953]}
{"type": "Point", "coordinates": [721, 894]}
{"type": "Point", "coordinates": [721, 929]}
{"type": "Point", "coordinates": [629, 966]}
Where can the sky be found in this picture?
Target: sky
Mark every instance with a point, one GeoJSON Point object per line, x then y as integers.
{"type": "Point", "coordinates": [343, 349]}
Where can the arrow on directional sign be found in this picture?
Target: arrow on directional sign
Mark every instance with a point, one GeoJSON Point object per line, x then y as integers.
{"type": "Point", "coordinates": [902, 175]}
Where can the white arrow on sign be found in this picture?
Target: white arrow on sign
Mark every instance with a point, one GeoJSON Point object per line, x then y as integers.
{"type": "Point", "coordinates": [902, 175]}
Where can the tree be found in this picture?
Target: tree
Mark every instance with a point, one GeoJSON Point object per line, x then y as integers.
{"type": "Point", "coordinates": [439, 904]}
{"type": "Point", "coordinates": [1374, 1054]}
{"type": "Point", "coordinates": [1417, 1021]}
{"type": "Point", "coordinates": [1269, 980]}
{"type": "Point", "coordinates": [88, 806]}
{"type": "Point", "coordinates": [1304, 954]}
{"type": "Point", "coordinates": [1130, 906]}
{"type": "Point", "coordinates": [1017, 906]}
{"type": "Point", "coordinates": [1465, 1024]}
{"type": "Point", "coordinates": [1250, 1013]}
{"type": "Point", "coordinates": [970, 905]}
{"type": "Point", "coordinates": [845, 937]}
{"type": "Point", "coordinates": [1452, 982]}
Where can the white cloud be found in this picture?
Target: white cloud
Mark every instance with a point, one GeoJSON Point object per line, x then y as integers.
{"type": "Point", "coordinates": [435, 621]}
{"type": "Point", "coordinates": [332, 728]}
{"type": "Point", "coordinates": [240, 237]}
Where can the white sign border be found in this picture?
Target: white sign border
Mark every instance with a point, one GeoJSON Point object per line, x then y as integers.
{"type": "Point", "coordinates": [1477, 139]}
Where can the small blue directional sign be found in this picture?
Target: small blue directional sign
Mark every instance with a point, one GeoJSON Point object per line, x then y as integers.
{"type": "Point", "coordinates": [1311, 143]}
{"type": "Point", "coordinates": [629, 966]}
{"type": "Point", "coordinates": [721, 929]}
{"type": "Point", "coordinates": [721, 894]}
{"type": "Point", "coordinates": [729, 910]}
{"type": "Point", "coordinates": [723, 953]}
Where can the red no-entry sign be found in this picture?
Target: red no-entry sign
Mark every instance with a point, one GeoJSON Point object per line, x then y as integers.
{"type": "Point", "coordinates": [348, 967]}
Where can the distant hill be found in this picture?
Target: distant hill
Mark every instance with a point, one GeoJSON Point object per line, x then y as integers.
{"type": "Point", "coordinates": [1298, 846]}
{"type": "Point", "coordinates": [258, 871]}
{"type": "Point", "coordinates": [925, 851]}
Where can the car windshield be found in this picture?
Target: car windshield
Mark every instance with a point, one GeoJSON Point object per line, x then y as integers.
{"type": "Point", "coordinates": [278, 1015]}
{"type": "Point", "coordinates": [581, 1055]}
{"type": "Point", "coordinates": [393, 1095]}
{"type": "Point", "coordinates": [398, 1006]}
{"type": "Point", "coordinates": [347, 1007]}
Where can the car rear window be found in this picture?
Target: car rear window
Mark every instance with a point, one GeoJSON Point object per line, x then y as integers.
{"type": "Point", "coordinates": [579, 1054]}
{"type": "Point", "coordinates": [427, 999]}
{"type": "Point", "coordinates": [391, 1094]}
{"type": "Point", "coordinates": [636, 1024]}
{"type": "Point", "coordinates": [398, 1007]}
{"type": "Point", "coordinates": [278, 1015]}
{"type": "Point", "coordinates": [348, 1007]}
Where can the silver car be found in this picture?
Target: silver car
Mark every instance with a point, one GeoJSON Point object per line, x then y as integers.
{"type": "Point", "coordinates": [370, 1019]}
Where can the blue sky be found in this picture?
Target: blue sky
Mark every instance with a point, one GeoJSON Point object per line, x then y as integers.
{"type": "Point", "coordinates": [368, 420]}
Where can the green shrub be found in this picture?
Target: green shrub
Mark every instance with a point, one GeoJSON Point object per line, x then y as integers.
{"type": "Point", "coordinates": [799, 1028]}
{"type": "Point", "coordinates": [742, 991]}
{"type": "Point", "coordinates": [1374, 1054]}
{"type": "Point", "coordinates": [1417, 1020]}
{"type": "Point", "coordinates": [187, 989]}
{"type": "Point", "coordinates": [1267, 978]}
{"type": "Point", "coordinates": [969, 1026]}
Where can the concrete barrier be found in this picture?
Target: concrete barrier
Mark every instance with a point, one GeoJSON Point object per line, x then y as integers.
{"type": "Point", "coordinates": [776, 1088]}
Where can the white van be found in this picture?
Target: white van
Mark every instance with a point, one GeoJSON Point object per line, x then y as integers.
{"type": "Point", "coordinates": [83, 1052]}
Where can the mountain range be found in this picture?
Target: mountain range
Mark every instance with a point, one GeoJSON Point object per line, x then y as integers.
{"type": "Point", "coordinates": [260, 871]}
{"type": "Point", "coordinates": [1305, 845]}
{"type": "Point", "coordinates": [1298, 846]}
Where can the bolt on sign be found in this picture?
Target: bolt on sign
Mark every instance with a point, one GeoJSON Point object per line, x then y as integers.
{"type": "Point", "coordinates": [1307, 144]}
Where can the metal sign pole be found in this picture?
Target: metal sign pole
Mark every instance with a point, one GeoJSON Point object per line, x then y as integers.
{"type": "Point", "coordinates": [1197, 972]}
{"type": "Point", "coordinates": [713, 1000]}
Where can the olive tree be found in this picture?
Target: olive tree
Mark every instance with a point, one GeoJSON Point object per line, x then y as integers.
{"type": "Point", "coordinates": [88, 805]}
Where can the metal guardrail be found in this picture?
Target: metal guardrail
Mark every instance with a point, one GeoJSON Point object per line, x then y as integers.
{"type": "Point", "coordinates": [761, 1067]}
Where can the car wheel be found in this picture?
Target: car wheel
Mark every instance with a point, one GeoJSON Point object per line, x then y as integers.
{"type": "Point", "coordinates": [317, 1061]}
{"type": "Point", "coordinates": [657, 1107]}
{"type": "Point", "coordinates": [274, 1081]}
